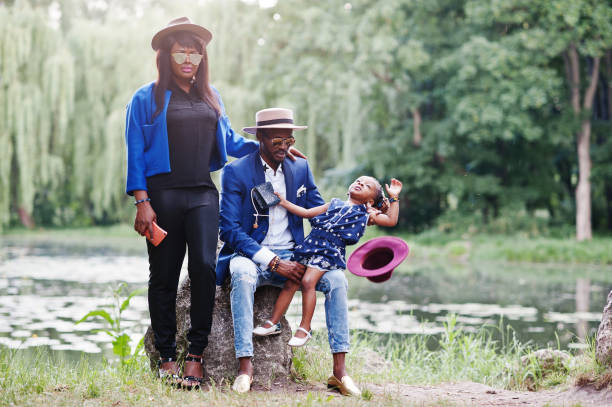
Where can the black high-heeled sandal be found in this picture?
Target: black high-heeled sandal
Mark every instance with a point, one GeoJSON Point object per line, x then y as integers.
{"type": "Point", "coordinates": [193, 382]}
{"type": "Point", "coordinates": [168, 376]}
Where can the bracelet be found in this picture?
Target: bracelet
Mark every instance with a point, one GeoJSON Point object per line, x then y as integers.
{"type": "Point", "coordinates": [393, 199]}
{"type": "Point", "coordinates": [275, 262]}
{"type": "Point", "coordinates": [141, 201]}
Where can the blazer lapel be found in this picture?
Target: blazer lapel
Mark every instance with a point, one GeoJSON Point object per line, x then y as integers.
{"type": "Point", "coordinates": [258, 172]}
{"type": "Point", "coordinates": [289, 180]}
{"type": "Point", "coordinates": [258, 177]}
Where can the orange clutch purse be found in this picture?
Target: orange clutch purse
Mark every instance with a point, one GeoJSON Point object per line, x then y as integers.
{"type": "Point", "coordinates": [158, 235]}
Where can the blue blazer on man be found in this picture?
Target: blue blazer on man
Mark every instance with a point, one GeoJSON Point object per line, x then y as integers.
{"type": "Point", "coordinates": [237, 212]}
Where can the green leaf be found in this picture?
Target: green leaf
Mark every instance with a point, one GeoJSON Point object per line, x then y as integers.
{"type": "Point", "coordinates": [98, 313]}
{"type": "Point", "coordinates": [126, 302]}
{"type": "Point", "coordinates": [106, 331]}
{"type": "Point", "coordinates": [121, 346]}
{"type": "Point", "coordinates": [139, 347]}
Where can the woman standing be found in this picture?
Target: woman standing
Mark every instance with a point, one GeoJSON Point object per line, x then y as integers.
{"type": "Point", "coordinates": [177, 132]}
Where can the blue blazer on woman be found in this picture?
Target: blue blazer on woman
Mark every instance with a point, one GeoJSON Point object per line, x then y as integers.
{"type": "Point", "coordinates": [237, 212]}
{"type": "Point", "coordinates": [147, 140]}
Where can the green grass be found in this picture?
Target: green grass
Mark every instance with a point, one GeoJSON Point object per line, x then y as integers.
{"type": "Point", "coordinates": [432, 244]}
{"type": "Point", "coordinates": [120, 239]}
{"type": "Point", "coordinates": [458, 356]}
{"type": "Point", "coordinates": [497, 247]}
{"type": "Point", "coordinates": [35, 378]}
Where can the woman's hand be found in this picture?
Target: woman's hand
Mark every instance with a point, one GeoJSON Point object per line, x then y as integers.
{"type": "Point", "coordinates": [294, 152]}
{"type": "Point", "coordinates": [145, 216]}
{"type": "Point", "coordinates": [394, 190]}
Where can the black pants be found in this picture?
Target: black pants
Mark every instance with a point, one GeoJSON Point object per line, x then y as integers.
{"type": "Point", "coordinates": [191, 218]}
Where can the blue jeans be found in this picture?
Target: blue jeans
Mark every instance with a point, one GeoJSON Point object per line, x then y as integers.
{"type": "Point", "coordinates": [247, 276]}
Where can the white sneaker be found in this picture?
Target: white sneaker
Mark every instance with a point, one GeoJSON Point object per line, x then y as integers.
{"type": "Point", "coordinates": [297, 342]}
{"type": "Point", "coordinates": [242, 384]}
{"type": "Point", "coordinates": [275, 329]}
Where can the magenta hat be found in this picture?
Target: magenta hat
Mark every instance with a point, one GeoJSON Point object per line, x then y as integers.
{"type": "Point", "coordinates": [377, 258]}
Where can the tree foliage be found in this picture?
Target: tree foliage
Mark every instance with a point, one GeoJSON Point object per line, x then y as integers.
{"type": "Point", "coordinates": [468, 102]}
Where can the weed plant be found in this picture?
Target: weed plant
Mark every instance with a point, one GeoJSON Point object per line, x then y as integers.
{"type": "Point", "coordinates": [113, 318]}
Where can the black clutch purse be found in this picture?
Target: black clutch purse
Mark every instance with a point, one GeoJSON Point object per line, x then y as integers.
{"type": "Point", "coordinates": [264, 197]}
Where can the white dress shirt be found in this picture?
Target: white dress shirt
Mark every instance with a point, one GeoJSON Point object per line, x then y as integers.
{"type": "Point", "coordinates": [279, 236]}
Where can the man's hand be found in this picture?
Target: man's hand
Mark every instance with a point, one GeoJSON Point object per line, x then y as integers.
{"type": "Point", "coordinates": [291, 269]}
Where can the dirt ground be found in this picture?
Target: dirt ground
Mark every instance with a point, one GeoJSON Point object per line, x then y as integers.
{"type": "Point", "coordinates": [472, 394]}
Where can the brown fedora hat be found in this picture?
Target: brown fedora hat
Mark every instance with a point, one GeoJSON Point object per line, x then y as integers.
{"type": "Point", "coordinates": [181, 24]}
{"type": "Point", "coordinates": [273, 118]}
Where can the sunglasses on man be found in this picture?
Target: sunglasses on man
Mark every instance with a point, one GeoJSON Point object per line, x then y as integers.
{"type": "Point", "coordinates": [279, 141]}
{"type": "Point", "coordinates": [181, 57]}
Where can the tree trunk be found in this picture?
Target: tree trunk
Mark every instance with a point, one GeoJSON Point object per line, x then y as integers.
{"type": "Point", "coordinates": [583, 189]}
{"type": "Point", "coordinates": [25, 218]}
{"type": "Point", "coordinates": [609, 80]}
{"type": "Point", "coordinates": [417, 137]}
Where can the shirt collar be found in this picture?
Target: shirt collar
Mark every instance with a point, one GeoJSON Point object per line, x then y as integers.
{"type": "Point", "coordinates": [176, 88]}
{"type": "Point", "coordinates": [267, 167]}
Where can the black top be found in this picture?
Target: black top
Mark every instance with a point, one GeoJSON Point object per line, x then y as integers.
{"type": "Point", "coordinates": [192, 127]}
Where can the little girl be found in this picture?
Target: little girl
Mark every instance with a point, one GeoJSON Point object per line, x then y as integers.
{"type": "Point", "coordinates": [334, 225]}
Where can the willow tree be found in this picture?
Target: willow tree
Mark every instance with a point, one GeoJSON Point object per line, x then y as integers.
{"type": "Point", "coordinates": [320, 72]}
{"type": "Point", "coordinates": [113, 62]}
{"type": "Point", "coordinates": [36, 98]}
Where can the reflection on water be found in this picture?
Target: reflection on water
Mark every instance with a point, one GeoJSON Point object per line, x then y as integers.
{"type": "Point", "coordinates": [583, 296]}
{"type": "Point", "coordinates": [44, 290]}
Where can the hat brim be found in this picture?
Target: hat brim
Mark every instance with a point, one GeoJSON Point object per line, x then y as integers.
{"type": "Point", "coordinates": [198, 30]}
{"type": "Point", "coordinates": [398, 250]}
{"type": "Point", "coordinates": [253, 130]}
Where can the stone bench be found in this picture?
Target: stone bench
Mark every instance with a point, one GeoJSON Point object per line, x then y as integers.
{"type": "Point", "coordinates": [604, 335]}
{"type": "Point", "coordinates": [272, 357]}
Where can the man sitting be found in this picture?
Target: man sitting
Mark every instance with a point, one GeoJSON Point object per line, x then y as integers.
{"type": "Point", "coordinates": [257, 249]}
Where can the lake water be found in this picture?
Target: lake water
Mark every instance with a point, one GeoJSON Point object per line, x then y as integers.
{"type": "Point", "coordinates": [46, 286]}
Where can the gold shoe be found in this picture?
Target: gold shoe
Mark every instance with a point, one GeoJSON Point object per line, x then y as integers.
{"type": "Point", "coordinates": [346, 386]}
{"type": "Point", "coordinates": [242, 384]}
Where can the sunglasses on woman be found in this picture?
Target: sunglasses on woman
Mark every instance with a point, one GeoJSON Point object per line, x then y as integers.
{"type": "Point", "coordinates": [181, 57]}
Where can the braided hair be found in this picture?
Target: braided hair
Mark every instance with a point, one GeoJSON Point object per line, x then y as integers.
{"type": "Point", "coordinates": [380, 196]}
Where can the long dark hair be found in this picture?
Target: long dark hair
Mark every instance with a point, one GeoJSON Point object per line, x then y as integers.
{"type": "Point", "coordinates": [164, 72]}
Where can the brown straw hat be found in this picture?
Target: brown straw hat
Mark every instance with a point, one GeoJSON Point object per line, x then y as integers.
{"type": "Point", "coordinates": [181, 24]}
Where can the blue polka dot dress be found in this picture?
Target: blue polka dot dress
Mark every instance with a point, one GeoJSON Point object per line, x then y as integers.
{"type": "Point", "coordinates": [325, 247]}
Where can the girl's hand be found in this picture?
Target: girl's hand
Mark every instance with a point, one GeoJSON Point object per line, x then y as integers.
{"type": "Point", "coordinates": [395, 188]}
{"type": "Point", "coordinates": [373, 212]}
{"type": "Point", "coordinates": [283, 201]}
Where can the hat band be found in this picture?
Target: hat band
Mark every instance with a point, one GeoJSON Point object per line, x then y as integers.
{"type": "Point", "coordinates": [275, 121]}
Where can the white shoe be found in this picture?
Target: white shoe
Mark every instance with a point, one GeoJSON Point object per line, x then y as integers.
{"type": "Point", "coordinates": [297, 342]}
{"type": "Point", "coordinates": [275, 329]}
{"type": "Point", "coordinates": [242, 384]}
